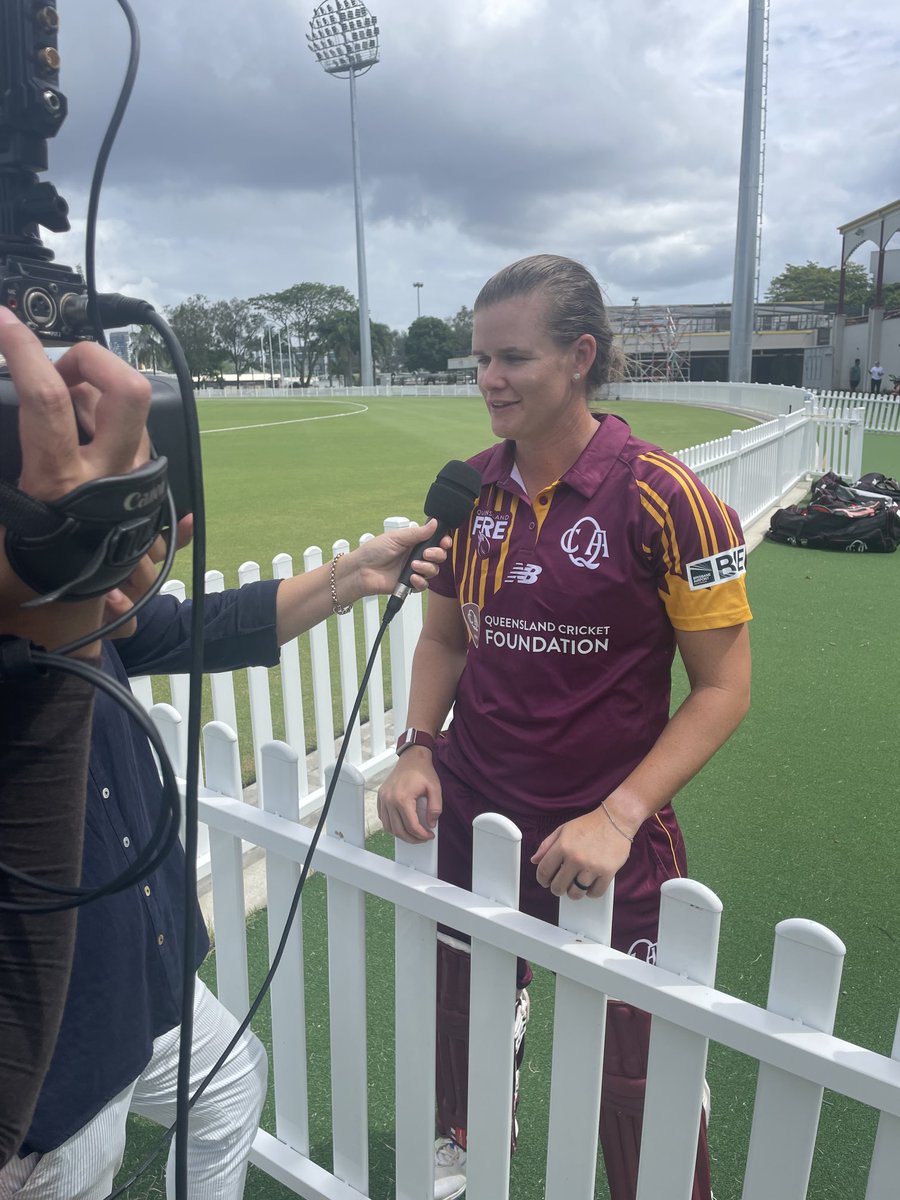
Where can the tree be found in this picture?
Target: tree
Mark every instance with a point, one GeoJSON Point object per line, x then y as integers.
{"type": "Point", "coordinates": [338, 336]}
{"type": "Point", "coordinates": [429, 343]}
{"type": "Point", "coordinates": [147, 350]}
{"type": "Point", "coordinates": [193, 324]}
{"type": "Point", "coordinates": [237, 325]}
{"type": "Point", "coordinates": [461, 325]}
{"type": "Point", "coordinates": [302, 310]}
{"type": "Point", "coordinates": [814, 282]}
{"type": "Point", "coordinates": [382, 338]}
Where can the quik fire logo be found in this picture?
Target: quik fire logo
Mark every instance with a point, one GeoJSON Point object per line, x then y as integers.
{"type": "Point", "coordinates": [718, 568]}
{"type": "Point", "coordinates": [489, 528]}
{"type": "Point", "coordinates": [585, 543]}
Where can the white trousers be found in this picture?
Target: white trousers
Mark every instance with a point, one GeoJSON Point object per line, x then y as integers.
{"type": "Point", "coordinates": [222, 1124]}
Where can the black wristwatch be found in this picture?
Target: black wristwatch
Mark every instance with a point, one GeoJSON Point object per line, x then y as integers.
{"type": "Point", "coordinates": [413, 737]}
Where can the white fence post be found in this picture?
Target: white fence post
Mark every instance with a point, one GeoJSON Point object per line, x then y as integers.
{"type": "Point", "coordinates": [804, 986]}
{"type": "Point", "coordinates": [282, 797]}
{"type": "Point", "coordinates": [415, 970]}
{"type": "Point", "coordinates": [348, 673]}
{"type": "Point", "coordinates": [735, 472]}
{"type": "Point", "coordinates": [857, 428]}
{"type": "Point", "coordinates": [291, 687]}
{"type": "Point", "coordinates": [689, 920]}
{"type": "Point", "coordinates": [321, 677]}
{"type": "Point", "coordinates": [579, 1033]}
{"type": "Point", "coordinates": [495, 875]}
{"type": "Point", "coordinates": [403, 633]}
{"type": "Point", "coordinates": [260, 696]}
{"type": "Point", "coordinates": [347, 989]}
{"type": "Point", "coordinates": [371, 625]}
{"type": "Point", "coordinates": [885, 1170]}
{"type": "Point", "coordinates": [226, 864]}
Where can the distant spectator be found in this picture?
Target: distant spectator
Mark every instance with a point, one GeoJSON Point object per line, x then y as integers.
{"type": "Point", "coordinates": [876, 374]}
{"type": "Point", "coordinates": [855, 375]}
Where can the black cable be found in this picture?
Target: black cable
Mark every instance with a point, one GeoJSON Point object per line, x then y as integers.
{"type": "Point", "coordinates": [165, 831]}
{"type": "Point", "coordinates": [292, 912]}
{"type": "Point", "coordinates": [112, 129]}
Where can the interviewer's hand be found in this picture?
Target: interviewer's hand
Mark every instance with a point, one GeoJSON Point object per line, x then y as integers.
{"type": "Point", "coordinates": [374, 567]}
{"type": "Point", "coordinates": [123, 598]}
{"type": "Point", "coordinates": [53, 462]}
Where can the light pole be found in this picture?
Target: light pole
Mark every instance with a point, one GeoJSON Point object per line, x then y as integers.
{"type": "Point", "coordinates": [418, 287]}
{"type": "Point", "coordinates": [344, 38]}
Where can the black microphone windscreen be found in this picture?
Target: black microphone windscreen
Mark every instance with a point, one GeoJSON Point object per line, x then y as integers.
{"type": "Point", "coordinates": [452, 495]}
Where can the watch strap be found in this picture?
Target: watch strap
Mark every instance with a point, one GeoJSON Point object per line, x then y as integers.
{"type": "Point", "coordinates": [413, 737]}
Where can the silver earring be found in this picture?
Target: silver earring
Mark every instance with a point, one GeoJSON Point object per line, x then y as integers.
{"type": "Point", "coordinates": [576, 376]}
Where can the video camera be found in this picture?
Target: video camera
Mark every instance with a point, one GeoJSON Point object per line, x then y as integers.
{"type": "Point", "coordinates": [50, 298]}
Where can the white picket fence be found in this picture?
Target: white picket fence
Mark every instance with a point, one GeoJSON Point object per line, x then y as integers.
{"type": "Point", "coordinates": [791, 1038]}
{"type": "Point", "coordinates": [881, 413]}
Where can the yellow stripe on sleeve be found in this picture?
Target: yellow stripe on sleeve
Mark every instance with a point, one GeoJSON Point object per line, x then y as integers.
{"type": "Point", "coordinates": [705, 527]}
{"type": "Point", "coordinates": [659, 511]}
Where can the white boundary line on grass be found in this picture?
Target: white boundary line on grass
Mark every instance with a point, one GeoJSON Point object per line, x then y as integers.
{"type": "Point", "coordinates": [360, 408]}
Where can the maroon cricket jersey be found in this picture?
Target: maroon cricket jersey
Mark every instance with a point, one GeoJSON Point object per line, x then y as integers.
{"type": "Point", "coordinates": [571, 602]}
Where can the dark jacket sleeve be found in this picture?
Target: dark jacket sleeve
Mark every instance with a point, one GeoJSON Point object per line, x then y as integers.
{"type": "Point", "coordinates": [239, 631]}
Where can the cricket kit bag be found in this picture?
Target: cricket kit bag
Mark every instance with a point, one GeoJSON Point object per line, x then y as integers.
{"type": "Point", "coordinates": [832, 523]}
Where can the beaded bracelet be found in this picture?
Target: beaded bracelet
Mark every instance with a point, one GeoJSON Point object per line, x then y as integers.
{"type": "Point", "coordinates": [612, 822]}
{"type": "Point", "coordinates": [339, 610]}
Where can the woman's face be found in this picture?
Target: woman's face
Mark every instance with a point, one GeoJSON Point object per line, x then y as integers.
{"type": "Point", "coordinates": [526, 378]}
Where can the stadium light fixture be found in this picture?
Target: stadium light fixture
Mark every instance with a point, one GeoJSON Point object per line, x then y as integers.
{"type": "Point", "coordinates": [343, 35]}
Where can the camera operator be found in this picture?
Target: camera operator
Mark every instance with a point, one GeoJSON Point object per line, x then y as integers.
{"type": "Point", "coordinates": [117, 1049]}
{"type": "Point", "coordinates": [45, 718]}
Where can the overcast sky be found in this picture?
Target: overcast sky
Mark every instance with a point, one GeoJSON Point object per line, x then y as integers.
{"type": "Point", "coordinates": [608, 130]}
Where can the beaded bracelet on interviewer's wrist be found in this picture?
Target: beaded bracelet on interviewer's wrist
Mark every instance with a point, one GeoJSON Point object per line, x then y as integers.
{"type": "Point", "coordinates": [339, 610]}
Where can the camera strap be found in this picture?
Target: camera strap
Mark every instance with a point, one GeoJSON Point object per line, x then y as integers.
{"type": "Point", "coordinates": [88, 541]}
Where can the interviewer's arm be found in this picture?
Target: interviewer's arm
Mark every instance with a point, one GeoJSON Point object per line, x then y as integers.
{"type": "Point", "coordinates": [370, 570]}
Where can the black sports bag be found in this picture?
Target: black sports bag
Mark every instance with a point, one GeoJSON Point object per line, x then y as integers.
{"type": "Point", "coordinates": [857, 528]}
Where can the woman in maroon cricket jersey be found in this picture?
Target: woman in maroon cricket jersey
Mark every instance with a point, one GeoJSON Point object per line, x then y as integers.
{"type": "Point", "coordinates": [590, 558]}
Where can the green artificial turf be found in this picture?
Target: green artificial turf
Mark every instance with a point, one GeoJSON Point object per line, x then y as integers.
{"type": "Point", "coordinates": [794, 817]}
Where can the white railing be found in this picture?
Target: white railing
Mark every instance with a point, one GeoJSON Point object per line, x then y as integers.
{"type": "Point", "coordinates": [281, 393]}
{"type": "Point", "coordinates": [881, 413]}
{"type": "Point", "coordinates": [755, 399]}
{"type": "Point", "coordinates": [791, 1038]}
{"type": "Point", "coordinates": [753, 469]}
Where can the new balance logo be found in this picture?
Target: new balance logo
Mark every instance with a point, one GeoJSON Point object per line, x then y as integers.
{"type": "Point", "coordinates": [523, 573]}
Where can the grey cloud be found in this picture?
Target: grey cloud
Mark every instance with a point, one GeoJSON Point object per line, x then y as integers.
{"type": "Point", "coordinates": [608, 131]}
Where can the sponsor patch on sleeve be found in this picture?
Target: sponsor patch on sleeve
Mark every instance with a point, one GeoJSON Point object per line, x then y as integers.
{"type": "Point", "coordinates": [718, 568]}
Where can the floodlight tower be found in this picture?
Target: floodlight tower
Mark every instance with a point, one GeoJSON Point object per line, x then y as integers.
{"type": "Point", "coordinates": [344, 38]}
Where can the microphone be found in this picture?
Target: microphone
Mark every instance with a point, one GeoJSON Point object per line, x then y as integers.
{"type": "Point", "coordinates": [450, 500]}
